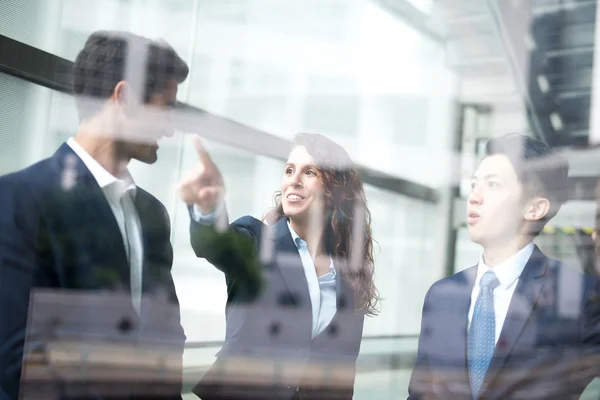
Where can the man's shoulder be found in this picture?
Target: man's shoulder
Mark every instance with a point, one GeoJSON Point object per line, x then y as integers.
{"type": "Point", "coordinates": [454, 285]}
{"type": "Point", "coordinates": [567, 274]}
{"type": "Point", "coordinates": [556, 266]}
{"type": "Point", "coordinates": [35, 177]}
{"type": "Point", "coordinates": [149, 198]}
{"type": "Point", "coordinates": [460, 277]}
{"type": "Point", "coordinates": [152, 206]}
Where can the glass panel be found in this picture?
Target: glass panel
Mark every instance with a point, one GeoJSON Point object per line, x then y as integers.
{"type": "Point", "coordinates": [412, 89]}
{"type": "Point", "coordinates": [33, 22]}
{"type": "Point", "coordinates": [24, 115]}
{"type": "Point", "coordinates": [342, 82]}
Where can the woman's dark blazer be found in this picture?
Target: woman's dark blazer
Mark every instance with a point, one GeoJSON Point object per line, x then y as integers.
{"type": "Point", "coordinates": [268, 351]}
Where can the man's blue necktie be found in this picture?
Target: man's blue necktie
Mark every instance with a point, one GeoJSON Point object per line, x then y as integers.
{"type": "Point", "coordinates": [482, 339]}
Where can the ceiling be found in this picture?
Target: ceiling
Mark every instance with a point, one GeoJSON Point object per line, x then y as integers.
{"type": "Point", "coordinates": [529, 60]}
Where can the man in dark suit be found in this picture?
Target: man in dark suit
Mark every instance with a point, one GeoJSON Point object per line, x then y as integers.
{"type": "Point", "coordinates": [77, 223]}
{"type": "Point", "coordinates": [517, 325]}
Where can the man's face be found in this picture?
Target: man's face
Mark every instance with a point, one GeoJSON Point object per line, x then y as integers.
{"type": "Point", "coordinates": [495, 209]}
{"type": "Point", "coordinates": [146, 124]}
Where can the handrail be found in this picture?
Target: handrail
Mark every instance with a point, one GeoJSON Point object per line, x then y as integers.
{"type": "Point", "coordinates": [218, 343]}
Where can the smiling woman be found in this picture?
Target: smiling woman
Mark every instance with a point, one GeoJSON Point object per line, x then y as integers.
{"type": "Point", "coordinates": [323, 197]}
{"type": "Point", "coordinates": [300, 336]}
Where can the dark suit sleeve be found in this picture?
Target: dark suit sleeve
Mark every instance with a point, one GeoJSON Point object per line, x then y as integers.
{"type": "Point", "coordinates": [218, 247]}
{"type": "Point", "coordinates": [591, 327]}
{"type": "Point", "coordinates": [18, 242]}
{"type": "Point", "coordinates": [420, 381]}
{"type": "Point", "coordinates": [163, 254]}
{"type": "Point", "coordinates": [233, 251]}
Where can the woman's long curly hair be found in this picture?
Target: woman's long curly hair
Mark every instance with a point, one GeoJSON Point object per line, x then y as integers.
{"type": "Point", "coordinates": [348, 226]}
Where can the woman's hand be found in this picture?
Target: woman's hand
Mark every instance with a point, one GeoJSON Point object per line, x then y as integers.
{"type": "Point", "coordinates": [202, 185]}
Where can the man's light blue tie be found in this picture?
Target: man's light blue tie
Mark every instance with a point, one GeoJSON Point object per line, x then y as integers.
{"type": "Point", "coordinates": [482, 339]}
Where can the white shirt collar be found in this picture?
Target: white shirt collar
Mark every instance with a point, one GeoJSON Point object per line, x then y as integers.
{"type": "Point", "coordinates": [510, 269]}
{"type": "Point", "coordinates": [298, 241]}
{"type": "Point", "coordinates": [102, 176]}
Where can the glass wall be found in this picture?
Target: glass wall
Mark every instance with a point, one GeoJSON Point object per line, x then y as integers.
{"type": "Point", "coordinates": [357, 71]}
{"type": "Point", "coordinates": [322, 67]}
{"type": "Point", "coordinates": [331, 67]}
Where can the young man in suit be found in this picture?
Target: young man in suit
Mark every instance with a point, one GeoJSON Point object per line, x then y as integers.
{"type": "Point", "coordinates": [517, 325]}
{"type": "Point", "coordinates": [76, 222]}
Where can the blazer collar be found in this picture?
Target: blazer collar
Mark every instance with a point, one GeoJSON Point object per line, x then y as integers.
{"type": "Point", "coordinates": [289, 262]}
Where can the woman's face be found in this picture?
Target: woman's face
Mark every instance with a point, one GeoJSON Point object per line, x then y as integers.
{"type": "Point", "coordinates": [301, 187]}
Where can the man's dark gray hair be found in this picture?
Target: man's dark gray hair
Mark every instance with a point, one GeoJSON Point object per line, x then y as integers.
{"type": "Point", "coordinates": [109, 57]}
{"type": "Point", "coordinates": [540, 170]}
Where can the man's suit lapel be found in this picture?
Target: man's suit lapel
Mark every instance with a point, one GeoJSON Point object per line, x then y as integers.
{"type": "Point", "coordinates": [150, 229]}
{"type": "Point", "coordinates": [460, 301]}
{"type": "Point", "coordinates": [89, 221]}
{"type": "Point", "coordinates": [521, 306]}
{"type": "Point", "coordinates": [156, 244]}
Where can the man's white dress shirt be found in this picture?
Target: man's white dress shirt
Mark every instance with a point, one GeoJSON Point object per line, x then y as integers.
{"type": "Point", "coordinates": [120, 194]}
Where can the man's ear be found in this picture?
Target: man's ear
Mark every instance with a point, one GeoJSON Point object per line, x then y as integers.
{"type": "Point", "coordinates": [122, 95]}
{"type": "Point", "coordinates": [536, 208]}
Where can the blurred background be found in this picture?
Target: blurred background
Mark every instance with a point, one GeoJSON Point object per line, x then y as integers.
{"type": "Point", "coordinates": [411, 88]}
